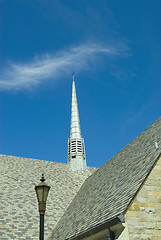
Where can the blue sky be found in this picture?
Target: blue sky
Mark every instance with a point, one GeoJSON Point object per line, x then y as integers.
{"type": "Point", "coordinates": [113, 46]}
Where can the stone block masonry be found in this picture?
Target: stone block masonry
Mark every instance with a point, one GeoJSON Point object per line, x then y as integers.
{"type": "Point", "coordinates": [143, 216]}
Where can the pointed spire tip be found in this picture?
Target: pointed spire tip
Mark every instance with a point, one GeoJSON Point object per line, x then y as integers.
{"type": "Point", "coordinates": [73, 76]}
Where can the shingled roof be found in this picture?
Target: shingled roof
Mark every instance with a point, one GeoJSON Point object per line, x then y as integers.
{"type": "Point", "coordinates": [19, 218]}
{"type": "Point", "coordinates": [109, 191]}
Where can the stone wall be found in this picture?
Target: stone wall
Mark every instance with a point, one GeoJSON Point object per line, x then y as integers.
{"type": "Point", "coordinates": [143, 217]}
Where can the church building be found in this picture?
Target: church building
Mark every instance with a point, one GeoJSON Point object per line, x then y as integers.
{"type": "Point", "coordinates": [121, 200]}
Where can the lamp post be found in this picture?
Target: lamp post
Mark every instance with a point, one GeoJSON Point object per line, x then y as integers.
{"type": "Point", "coordinates": [111, 235]}
{"type": "Point", "coordinates": [42, 191]}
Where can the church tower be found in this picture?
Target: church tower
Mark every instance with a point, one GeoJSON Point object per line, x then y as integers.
{"type": "Point", "coordinates": [76, 150]}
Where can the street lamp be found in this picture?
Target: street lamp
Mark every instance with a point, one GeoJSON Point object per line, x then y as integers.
{"type": "Point", "coordinates": [42, 191]}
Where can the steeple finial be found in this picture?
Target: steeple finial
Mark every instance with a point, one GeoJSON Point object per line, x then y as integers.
{"type": "Point", "coordinates": [76, 152]}
{"type": "Point", "coordinates": [73, 76]}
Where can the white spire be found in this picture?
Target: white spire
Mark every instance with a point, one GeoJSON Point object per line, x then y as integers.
{"type": "Point", "coordinates": [75, 131]}
{"type": "Point", "coordinates": [76, 151]}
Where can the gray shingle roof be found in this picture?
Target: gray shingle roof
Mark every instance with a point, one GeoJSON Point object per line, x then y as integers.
{"type": "Point", "coordinates": [108, 192]}
{"type": "Point", "coordinates": [19, 218]}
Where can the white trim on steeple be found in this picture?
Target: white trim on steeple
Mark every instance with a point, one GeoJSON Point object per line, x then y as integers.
{"type": "Point", "coordinates": [76, 149]}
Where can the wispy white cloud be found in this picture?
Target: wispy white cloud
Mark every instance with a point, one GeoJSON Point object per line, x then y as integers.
{"type": "Point", "coordinates": [17, 76]}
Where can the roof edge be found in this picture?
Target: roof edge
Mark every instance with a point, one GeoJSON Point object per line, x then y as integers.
{"type": "Point", "coordinates": [99, 227]}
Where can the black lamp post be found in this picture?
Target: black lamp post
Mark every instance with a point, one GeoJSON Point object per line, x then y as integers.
{"type": "Point", "coordinates": [42, 191]}
{"type": "Point", "coordinates": [111, 235]}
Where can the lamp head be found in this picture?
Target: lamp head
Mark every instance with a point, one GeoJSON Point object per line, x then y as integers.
{"type": "Point", "coordinates": [42, 190]}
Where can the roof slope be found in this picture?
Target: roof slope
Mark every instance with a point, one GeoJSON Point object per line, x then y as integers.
{"type": "Point", "coordinates": [108, 192]}
{"type": "Point", "coordinates": [19, 218]}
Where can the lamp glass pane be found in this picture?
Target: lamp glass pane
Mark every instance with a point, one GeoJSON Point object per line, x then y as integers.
{"type": "Point", "coordinates": [46, 190]}
{"type": "Point", "coordinates": [40, 194]}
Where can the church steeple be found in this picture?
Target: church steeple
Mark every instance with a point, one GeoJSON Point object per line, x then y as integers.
{"type": "Point", "coordinates": [76, 151]}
